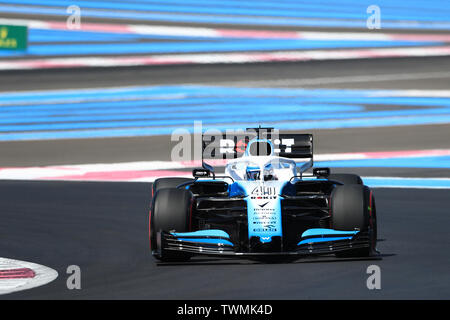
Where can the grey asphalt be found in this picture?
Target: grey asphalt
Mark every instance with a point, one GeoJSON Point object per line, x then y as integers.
{"type": "Point", "coordinates": [103, 228]}
{"type": "Point", "coordinates": [54, 79]}
{"type": "Point", "coordinates": [54, 152]}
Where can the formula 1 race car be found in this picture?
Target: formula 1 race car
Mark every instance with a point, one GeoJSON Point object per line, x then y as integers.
{"type": "Point", "coordinates": [265, 205]}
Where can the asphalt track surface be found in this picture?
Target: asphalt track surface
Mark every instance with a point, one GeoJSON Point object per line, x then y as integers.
{"type": "Point", "coordinates": [103, 227]}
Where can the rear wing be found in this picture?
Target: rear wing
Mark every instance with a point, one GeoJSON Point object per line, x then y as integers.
{"type": "Point", "coordinates": [233, 144]}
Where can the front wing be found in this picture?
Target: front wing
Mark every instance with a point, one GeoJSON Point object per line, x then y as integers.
{"type": "Point", "coordinates": [218, 243]}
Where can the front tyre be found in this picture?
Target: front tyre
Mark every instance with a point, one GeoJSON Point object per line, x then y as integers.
{"type": "Point", "coordinates": [171, 211]}
{"type": "Point", "coordinates": [353, 207]}
{"type": "Point", "coordinates": [171, 182]}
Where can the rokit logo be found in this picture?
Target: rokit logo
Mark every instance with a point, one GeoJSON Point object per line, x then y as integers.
{"type": "Point", "coordinates": [228, 146]}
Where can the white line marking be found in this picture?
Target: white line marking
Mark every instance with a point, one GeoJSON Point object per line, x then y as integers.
{"type": "Point", "coordinates": [130, 168]}
{"type": "Point", "coordinates": [223, 58]}
{"type": "Point", "coordinates": [43, 275]}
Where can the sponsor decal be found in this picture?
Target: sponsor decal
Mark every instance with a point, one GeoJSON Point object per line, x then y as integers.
{"type": "Point", "coordinates": [13, 37]}
{"type": "Point", "coordinates": [263, 193]}
{"type": "Point", "coordinates": [264, 212]}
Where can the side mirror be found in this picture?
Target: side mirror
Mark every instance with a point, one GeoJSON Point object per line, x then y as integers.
{"type": "Point", "coordinates": [321, 172]}
{"type": "Point", "coordinates": [205, 171]}
{"type": "Point", "coordinates": [201, 173]}
{"type": "Point", "coordinates": [209, 168]}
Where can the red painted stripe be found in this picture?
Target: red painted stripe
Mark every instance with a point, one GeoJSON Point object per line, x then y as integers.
{"type": "Point", "coordinates": [103, 27]}
{"type": "Point", "coordinates": [198, 163]}
{"type": "Point", "coordinates": [20, 273]}
{"type": "Point", "coordinates": [150, 227]}
{"type": "Point", "coordinates": [370, 215]}
{"type": "Point", "coordinates": [421, 37]}
{"type": "Point", "coordinates": [119, 175]}
{"type": "Point", "coordinates": [150, 221]}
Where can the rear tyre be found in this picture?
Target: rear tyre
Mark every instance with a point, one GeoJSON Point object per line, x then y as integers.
{"type": "Point", "coordinates": [353, 207]}
{"type": "Point", "coordinates": [346, 178]}
{"type": "Point", "coordinates": [171, 211]}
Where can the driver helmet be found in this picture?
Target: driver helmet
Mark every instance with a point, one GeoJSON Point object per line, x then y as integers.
{"type": "Point", "coordinates": [252, 173]}
{"type": "Point", "coordinates": [269, 173]}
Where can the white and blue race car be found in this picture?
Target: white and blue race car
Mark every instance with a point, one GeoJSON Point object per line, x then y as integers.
{"type": "Point", "coordinates": [264, 205]}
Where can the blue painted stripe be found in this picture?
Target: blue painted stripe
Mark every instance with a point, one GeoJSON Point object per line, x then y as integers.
{"type": "Point", "coordinates": [124, 131]}
{"type": "Point", "coordinates": [216, 92]}
{"type": "Point", "coordinates": [217, 122]}
{"type": "Point", "coordinates": [358, 11]}
{"type": "Point", "coordinates": [162, 109]}
{"type": "Point", "coordinates": [203, 46]}
{"type": "Point", "coordinates": [217, 19]}
{"type": "Point", "coordinates": [8, 102]}
{"type": "Point", "coordinates": [51, 35]}
{"type": "Point", "coordinates": [157, 115]}
{"type": "Point", "coordinates": [159, 110]}
{"type": "Point", "coordinates": [297, 103]}
{"type": "Point", "coordinates": [421, 183]}
{"type": "Point", "coordinates": [335, 6]}
{"type": "Point", "coordinates": [167, 126]}
{"type": "Point", "coordinates": [159, 130]}
{"type": "Point", "coordinates": [208, 95]}
{"type": "Point", "coordinates": [44, 35]}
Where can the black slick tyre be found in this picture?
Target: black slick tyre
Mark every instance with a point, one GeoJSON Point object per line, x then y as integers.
{"type": "Point", "coordinates": [353, 208]}
{"type": "Point", "coordinates": [346, 178]}
{"type": "Point", "coordinates": [171, 211]}
{"type": "Point", "coordinates": [171, 182]}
